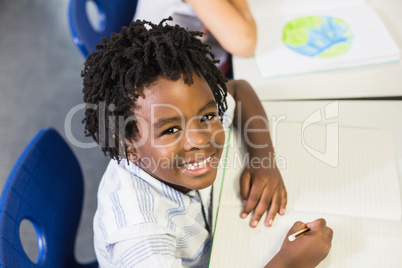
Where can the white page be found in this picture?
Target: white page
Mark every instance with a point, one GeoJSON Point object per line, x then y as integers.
{"type": "Point", "coordinates": [364, 183]}
{"type": "Point", "coordinates": [356, 242]}
{"type": "Point", "coordinates": [279, 7]}
{"type": "Point", "coordinates": [222, 170]}
{"type": "Point", "coordinates": [371, 43]}
{"type": "Point", "coordinates": [308, 6]}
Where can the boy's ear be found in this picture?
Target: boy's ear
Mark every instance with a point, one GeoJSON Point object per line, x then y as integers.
{"type": "Point", "coordinates": [131, 151]}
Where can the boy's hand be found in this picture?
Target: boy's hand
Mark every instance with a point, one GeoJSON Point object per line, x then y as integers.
{"type": "Point", "coordinates": [308, 250]}
{"type": "Point", "coordinates": [262, 189]}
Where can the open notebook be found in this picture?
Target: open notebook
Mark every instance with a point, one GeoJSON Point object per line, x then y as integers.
{"type": "Point", "coordinates": [317, 35]}
{"type": "Point", "coordinates": [358, 195]}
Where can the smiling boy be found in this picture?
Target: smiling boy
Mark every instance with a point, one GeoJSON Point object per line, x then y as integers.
{"type": "Point", "coordinates": [191, 107]}
{"type": "Point", "coordinates": [166, 109]}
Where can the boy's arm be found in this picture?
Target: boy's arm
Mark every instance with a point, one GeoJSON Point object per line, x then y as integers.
{"type": "Point", "coordinates": [146, 251]}
{"type": "Point", "coordinates": [261, 183]}
{"type": "Point", "coordinates": [231, 23]}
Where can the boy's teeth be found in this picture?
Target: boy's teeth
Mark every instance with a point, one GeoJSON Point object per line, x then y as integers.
{"type": "Point", "coordinates": [199, 164]}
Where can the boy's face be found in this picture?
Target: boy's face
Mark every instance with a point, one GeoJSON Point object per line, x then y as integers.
{"type": "Point", "coordinates": [180, 133]}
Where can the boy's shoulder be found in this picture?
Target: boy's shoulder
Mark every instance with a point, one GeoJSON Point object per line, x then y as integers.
{"type": "Point", "coordinates": [129, 181]}
{"type": "Point", "coordinates": [129, 197]}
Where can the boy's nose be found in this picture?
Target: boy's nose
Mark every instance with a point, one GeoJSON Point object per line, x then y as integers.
{"type": "Point", "coordinates": [196, 139]}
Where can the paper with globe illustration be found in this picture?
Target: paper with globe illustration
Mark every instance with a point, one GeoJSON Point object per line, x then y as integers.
{"type": "Point", "coordinates": [323, 39]}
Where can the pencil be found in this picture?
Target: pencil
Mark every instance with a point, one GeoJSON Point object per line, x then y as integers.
{"type": "Point", "coordinates": [296, 235]}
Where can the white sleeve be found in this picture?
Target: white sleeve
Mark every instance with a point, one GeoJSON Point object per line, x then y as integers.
{"type": "Point", "coordinates": [227, 118]}
{"type": "Point", "coordinates": [147, 251]}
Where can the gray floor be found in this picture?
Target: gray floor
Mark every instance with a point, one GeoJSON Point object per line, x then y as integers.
{"type": "Point", "coordinates": [39, 84]}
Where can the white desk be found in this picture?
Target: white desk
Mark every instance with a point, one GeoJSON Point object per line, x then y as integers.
{"type": "Point", "coordinates": [364, 113]}
{"type": "Point", "coordinates": [372, 114]}
{"type": "Point", "coordinates": [367, 81]}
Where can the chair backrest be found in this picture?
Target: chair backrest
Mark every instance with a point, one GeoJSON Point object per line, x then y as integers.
{"type": "Point", "coordinates": [112, 14]}
{"type": "Point", "coordinates": [44, 187]}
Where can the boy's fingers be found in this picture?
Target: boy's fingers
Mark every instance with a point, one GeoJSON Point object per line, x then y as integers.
{"type": "Point", "coordinates": [297, 226]}
{"type": "Point", "coordinates": [317, 224]}
{"type": "Point", "coordinates": [330, 233]}
{"type": "Point", "coordinates": [253, 199]}
{"type": "Point", "coordinates": [284, 201]}
{"type": "Point", "coordinates": [275, 204]}
{"type": "Point", "coordinates": [245, 184]}
{"type": "Point", "coordinates": [261, 208]}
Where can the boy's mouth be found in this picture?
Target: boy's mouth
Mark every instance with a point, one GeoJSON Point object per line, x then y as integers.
{"type": "Point", "coordinates": [198, 168]}
{"type": "Point", "coordinates": [198, 165]}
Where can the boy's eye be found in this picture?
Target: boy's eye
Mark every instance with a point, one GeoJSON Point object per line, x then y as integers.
{"type": "Point", "coordinates": [171, 130]}
{"type": "Point", "coordinates": [208, 117]}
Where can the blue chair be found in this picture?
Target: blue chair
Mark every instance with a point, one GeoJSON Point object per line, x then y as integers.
{"type": "Point", "coordinates": [44, 187]}
{"type": "Point", "coordinates": [112, 14]}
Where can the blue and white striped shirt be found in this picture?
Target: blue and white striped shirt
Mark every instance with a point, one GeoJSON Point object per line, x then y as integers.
{"type": "Point", "coordinates": [142, 222]}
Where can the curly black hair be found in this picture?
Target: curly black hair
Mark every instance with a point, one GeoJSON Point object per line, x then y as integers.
{"type": "Point", "coordinates": [115, 75]}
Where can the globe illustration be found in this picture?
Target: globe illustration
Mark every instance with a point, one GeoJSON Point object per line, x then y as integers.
{"type": "Point", "coordinates": [318, 36]}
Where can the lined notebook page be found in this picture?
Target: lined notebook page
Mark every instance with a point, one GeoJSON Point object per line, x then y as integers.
{"type": "Point", "coordinates": [356, 242]}
{"type": "Point", "coordinates": [364, 182]}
